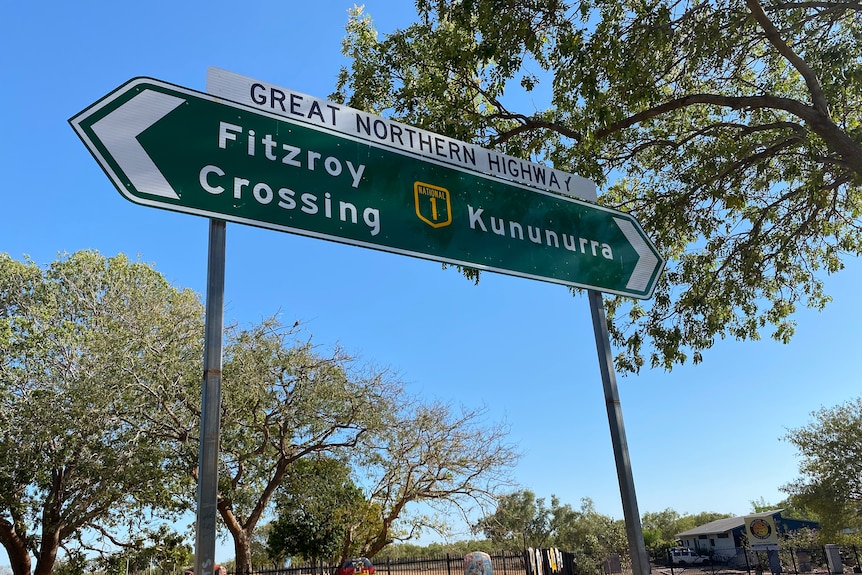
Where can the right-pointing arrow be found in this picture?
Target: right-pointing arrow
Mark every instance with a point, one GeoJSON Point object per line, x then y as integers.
{"type": "Point", "coordinates": [119, 132]}
{"type": "Point", "coordinates": [647, 260]}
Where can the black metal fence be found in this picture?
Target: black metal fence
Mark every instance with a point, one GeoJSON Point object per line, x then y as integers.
{"type": "Point", "coordinates": [831, 559]}
{"type": "Point", "coordinates": [504, 563]}
{"type": "Point", "coordinates": [795, 561]}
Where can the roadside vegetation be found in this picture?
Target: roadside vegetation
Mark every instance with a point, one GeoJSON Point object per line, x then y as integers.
{"type": "Point", "coordinates": [322, 457]}
{"type": "Point", "coordinates": [732, 129]}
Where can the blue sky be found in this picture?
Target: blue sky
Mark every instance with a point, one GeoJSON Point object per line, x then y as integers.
{"type": "Point", "coordinates": [702, 438]}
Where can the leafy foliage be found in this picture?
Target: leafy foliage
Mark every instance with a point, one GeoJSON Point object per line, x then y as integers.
{"type": "Point", "coordinates": [315, 506]}
{"type": "Point", "coordinates": [830, 450]}
{"type": "Point", "coordinates": [661, 528]}
{"type": "Point", "coordinates": [100, 393]}
{"type": "Point", "coordinates": [74, 563]}
{"type": "Point", "coordinates": [590, 535]}
{"type": "Point", "coordinates": [398, 551]}
{"type": "Point", "coordinates": [730, 129]}
{"type": "Point", "coordinates": [282, 400]}
{"type": "Point", "coordinates": [791, 508]}
{"type": "Point", "coordinates": [520, 521]}
{"type": "Point", "coordinates": [285, 400]}
{"type": "Point", "coordinates": [520, 518]}
{"type": "Point", "coordinates": [75, 339]}
{"type": "Point", "coordinates": [162, 549]}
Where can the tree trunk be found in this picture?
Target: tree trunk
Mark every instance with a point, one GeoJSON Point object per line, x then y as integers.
{"type": "Point", "coordinates": [20, 562]}
{"type": "Point", "coordinates": [16, 549]}
{"type": "Point", "coordinates": [48, 547]}
{"type": "Point", "coordinates": [242, 549]}
{"type": "Point", "coordinates": [241, 539]}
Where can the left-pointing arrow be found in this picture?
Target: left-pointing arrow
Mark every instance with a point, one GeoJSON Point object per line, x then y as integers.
{"type": "Point", "coordinates": [119, 133]}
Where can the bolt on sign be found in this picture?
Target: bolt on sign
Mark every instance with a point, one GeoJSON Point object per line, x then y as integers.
{"type": "Point", "coordinates": [178, 149]}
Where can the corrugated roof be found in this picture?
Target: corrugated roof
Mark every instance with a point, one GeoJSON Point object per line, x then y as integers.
{"type": "Point", "coordinates": [724, 525]}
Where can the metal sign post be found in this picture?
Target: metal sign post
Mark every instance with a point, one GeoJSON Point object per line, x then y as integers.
{"type": "Point", "coordinates": [637, 549]}
{"type": "Point", "coordinates": [205, 538]}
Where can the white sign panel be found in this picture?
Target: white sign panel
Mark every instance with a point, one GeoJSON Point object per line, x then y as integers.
{"type": "Point", "coordinates": [383, 132]}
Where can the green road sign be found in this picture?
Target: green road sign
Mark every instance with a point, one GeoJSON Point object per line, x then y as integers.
{"type": "Point", "coordinates": [181, 150]}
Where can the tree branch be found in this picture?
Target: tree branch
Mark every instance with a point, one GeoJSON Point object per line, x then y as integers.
{"type": "Point", "coordinates": [830, 6]}
{"type": "Point", "coordinates": [789, 105]}
{"type": "Point", "coordinates": [528, 125]}
{"type": "Point", "coordinates": [774, 37]}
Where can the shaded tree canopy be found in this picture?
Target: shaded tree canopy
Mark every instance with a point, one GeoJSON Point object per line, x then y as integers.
{"type": "Point", "coordinates": [315, 504]}
{"type": "Point", "coordinates": [730, 129]}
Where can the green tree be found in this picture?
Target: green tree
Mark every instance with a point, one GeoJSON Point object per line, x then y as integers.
{"type": "Point", "coordinates": [590, 535]}
{"type": "Point", "coordinates": [521, 520]}
{"type": "Point", "coordinates": [687, 522]}
{"type": "Point", "coordinates": [761, 505]}
{"type": "Point", "coordinates": [830, 466]}
{"type": "Point", "coordinates": [164, 550]}
{"type": "Point", "coordinates": [75, 563]}
{"type": "Point", "coordinates": [75, 338]}
{"type": "Point", "coordinates": [730, 128]}
{"type": "Point", "coordinates": [659, 531]}
{"type": "Point", "coordinates": [661, 528]}
{"type": "Point", "coordinates": [260, 552]}
{"type": "Point", "coordinates": [435, 550]}
{"type": "Point", "coordinates": [315, 505]}
{"type": "Point", "coordinates": [282, 400]}
{"type": "Point", "coordinates": [791, 507]}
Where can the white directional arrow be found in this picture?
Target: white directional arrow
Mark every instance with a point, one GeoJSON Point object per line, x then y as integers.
{"type": "Point", "coordinates": [647, 260]}
{"type": "Point", "coordinates": [119, 132]}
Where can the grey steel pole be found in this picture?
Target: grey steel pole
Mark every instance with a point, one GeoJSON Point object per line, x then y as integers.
{"type": "Point", "coordinates": [637, 549]}
{"type": "Point", "coordinates": [205, 537]}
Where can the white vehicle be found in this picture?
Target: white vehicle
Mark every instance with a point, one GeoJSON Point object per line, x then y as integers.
{"type": "Point", "coordinates": [686, 556]}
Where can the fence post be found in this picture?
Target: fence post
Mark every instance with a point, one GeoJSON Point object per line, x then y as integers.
{"type": "Point", "coordinates": [448, 566]}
